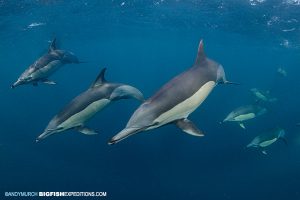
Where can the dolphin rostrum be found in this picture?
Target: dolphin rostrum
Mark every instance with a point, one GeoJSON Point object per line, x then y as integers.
{"type": "Point", "coordinates": [45, 66]}
{"type": "Point", "coordinates": [266, 139]}
{"type": "Point", "coordinates": [245, 113]}
{"type": "Point", "coordinates": [87, 104]}
{"type": "Point", "coordinates": [177, 99]}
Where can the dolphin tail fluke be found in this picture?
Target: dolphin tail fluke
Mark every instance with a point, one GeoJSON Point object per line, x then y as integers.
{"type": "Point", "coordinates": [126, 92]}
{"type": "Point", "coordinates": [189, 127]}
{"type": "Point", "coordinates": [123, 134]}
{"type": "Point", "coordinates": [85, 130]}
{"type": "Point", "coordinates": [283, 139]}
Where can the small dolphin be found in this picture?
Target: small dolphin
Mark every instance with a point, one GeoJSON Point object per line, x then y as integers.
{"type": "Point", "coordinates": [298, 124]}
{"type": "Point", "coordinates": [262, 95]}
{"type": "Point", "coordinates": [266, 139]}
{"type": "Point", "coordinates": [177, 99]}
{"type": "Point", "coordinates": [245, 113]}
{"type": "Point", "coordinates": [87, 104]}
{"type": "Point", "coordinates": [45, 66]}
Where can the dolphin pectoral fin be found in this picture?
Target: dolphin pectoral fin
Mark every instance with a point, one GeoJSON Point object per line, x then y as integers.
{"type": "Point", "coordinates": [242, 125]}
{"type": "Point", "coordinates": [189, 127]}
{"type": "Point", "coordinates": [86, 130]}
{"type": "Point", "coordinates": [49, 82]}
{"type": "Point", "coordinates": [124, 134]}
{"type": "Point", "coordinates": [264, 152]}
{"type": "Point", "coordinates": [126, 92]}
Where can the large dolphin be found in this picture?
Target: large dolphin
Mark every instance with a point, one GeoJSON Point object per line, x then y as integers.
{"type": "Point", "coordinates": [262, 95]}
{"type": "Point", "coordinates": [266, 139]}
{"type": "Point", "coordinates": [45, 66]}
{"type": "Point", "coordinates": [177, 99]}
{"type": "Point", "coordinates": [245, 113]}
{"type": "Point", "coordinates": [87, 104]}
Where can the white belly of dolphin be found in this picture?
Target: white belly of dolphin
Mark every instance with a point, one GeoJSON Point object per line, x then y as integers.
{"type": "Point", "coordinates": [185, 108]}
{"type": "Point", "coordinates": [267, 143]}
{"type": "Point", "coordinates": [47, 70]}
{"type": "Point", "coordinates": [244, 117]}
{"type": "Point", "coordinates": [80, 118]}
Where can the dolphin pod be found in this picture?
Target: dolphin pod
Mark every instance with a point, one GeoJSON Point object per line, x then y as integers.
{"type": "Point", "coordinates": [268, 138]}
{"type": "Point", "coordinates": [45, 66]}
{"type": "Point", "coordinates": [86, 105]}
{"type": "Point", "coordinates": [171, 104]}
{"type": "Point", "coordinates": [177, 99]}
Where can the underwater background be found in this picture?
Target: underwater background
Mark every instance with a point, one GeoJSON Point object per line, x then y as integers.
{"type": "Point", "coordinates": [145, 44]}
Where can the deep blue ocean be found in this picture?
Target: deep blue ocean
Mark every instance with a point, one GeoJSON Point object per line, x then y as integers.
{"type": "Point", "coordinates": [145, 44]}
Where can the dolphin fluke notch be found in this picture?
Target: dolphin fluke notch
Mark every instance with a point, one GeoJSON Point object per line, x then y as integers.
{"type": "Point", "coordinates": [52, 46]}
{"type": "Point", "coordinates": [100, 78]}
{"type": "Point", "coordinates": [201, 54]}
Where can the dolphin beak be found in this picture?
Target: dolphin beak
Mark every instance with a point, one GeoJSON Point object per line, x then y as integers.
{"type": "Point", "coordinates": [123, 134]}
{"type": "Point", "coordinates": [44, 135]}
{"type": "Point", "coordinates": [17, 83]}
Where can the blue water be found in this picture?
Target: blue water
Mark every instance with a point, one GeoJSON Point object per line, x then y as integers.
{"type": "Point", "coordinates": [145, 44]}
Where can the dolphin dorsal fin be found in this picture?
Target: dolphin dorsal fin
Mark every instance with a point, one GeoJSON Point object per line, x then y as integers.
{"type": "Point", "coordinates": [201, 54]}
{"type": "Point", "coordinates": [100, 78]}
{"type": "Point", "coordinates": [52, 46]}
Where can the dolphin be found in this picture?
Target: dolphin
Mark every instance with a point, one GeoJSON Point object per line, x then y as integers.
{"type": "Point", "coordinates": [45, 66]}
{"type": "Point", "coordinates": [87, 104]}
{"type": "Point", "coordinates": [266, 139]}
{"type": "Point", "coordinates": [262, 95]}
{"type": "Point", "coordinates": [281, 71]}
{"type": "Point", "coordinates": [177, 99]}
{"type": "Point", "coordinates": [298, 124]}
{"type": "Point", "coordinates": [245, 113]}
